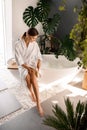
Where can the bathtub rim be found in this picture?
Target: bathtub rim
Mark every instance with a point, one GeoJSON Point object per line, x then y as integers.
{"type": "Point", "coordinates": [75, 61]}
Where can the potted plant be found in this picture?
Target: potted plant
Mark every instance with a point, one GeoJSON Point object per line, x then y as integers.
{"type": "Point", "coordinates": [72, 119]}
{"type": "Point", "coordinates": [79, 36]}
{"type": "Point", "coordinates": [32, 16]}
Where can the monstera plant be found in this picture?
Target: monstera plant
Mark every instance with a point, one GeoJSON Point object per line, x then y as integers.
{"type": "Point", "coordinates": [29, 17]}
{"type": "Point", "coordinates": [79, 35]}
{"type": "Point", "coordinates": [32, 16]}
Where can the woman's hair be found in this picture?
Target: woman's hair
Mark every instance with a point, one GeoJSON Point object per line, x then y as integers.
{"type": "Point", "coordinates": [24, 35]}
{"type": "Point", "coordinates": [32, 32]}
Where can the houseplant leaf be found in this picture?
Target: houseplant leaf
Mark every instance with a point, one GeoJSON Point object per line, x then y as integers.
{"type": "Point", "coordinates": [50, 25]}
{"type": "Point", "coordinates": [42, 10]}
{"type": "Point", "coordinates": [29, 17]}
{"type": "Point", "coordinates": [66, 48]}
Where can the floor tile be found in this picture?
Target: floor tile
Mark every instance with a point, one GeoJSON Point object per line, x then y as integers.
{"type": "Point", "coordinates": [8, 103]}
{"type": "Point", "coordinates": [2, 85]}
{"type": "Point", "coordinates": [29, 120]}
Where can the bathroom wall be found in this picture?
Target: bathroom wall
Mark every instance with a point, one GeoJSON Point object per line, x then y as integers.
{"type": "Point", "coordinates": [68, 17]}
{"type": "Point", "coordinates": [18, 25]}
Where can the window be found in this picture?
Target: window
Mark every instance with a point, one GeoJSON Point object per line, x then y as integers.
{"type": "Point", "coordinates": [2, 40]}
{"type": "Point", "coordinates": [5, 31]}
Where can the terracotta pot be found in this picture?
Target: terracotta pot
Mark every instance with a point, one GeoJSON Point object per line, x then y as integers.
{"type": "Point", "coordinates": [84, 82]}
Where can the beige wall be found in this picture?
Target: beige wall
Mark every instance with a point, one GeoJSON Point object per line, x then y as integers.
{"type": "Point", "coordinates": [18, 25]}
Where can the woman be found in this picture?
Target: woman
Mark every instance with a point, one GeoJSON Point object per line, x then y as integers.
{"type": "Point", "coordinates": [28, 57]}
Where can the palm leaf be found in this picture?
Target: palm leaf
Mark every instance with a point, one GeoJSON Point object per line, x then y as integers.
{"type": "Point", "coordinates": [70, 112]}
{"type": "Point", "coordinates": [73, 119]}
{"type": "Point", "coordinates": [61, 116]}
{"type": "Point", "coordinates": [81, 116]}
{"type": "Point", "coordinates": [83, 122]}
{"type": "Point", "coordinates": [29, 17]}
{"type": "Point", "coordinates": [60, 121]}
{"type": "Point", "coordinates": [53, 122]}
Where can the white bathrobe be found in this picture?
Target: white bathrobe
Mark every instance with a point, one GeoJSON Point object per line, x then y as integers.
{"type": "Point", "coordinates": [27, 55]}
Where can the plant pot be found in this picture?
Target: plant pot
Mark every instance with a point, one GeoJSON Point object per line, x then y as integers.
{"type": "Point", "coordinates": [84, 82]}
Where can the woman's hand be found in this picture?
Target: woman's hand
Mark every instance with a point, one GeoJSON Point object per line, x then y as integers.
{"type": "Point", "coordinates": [38, 74]}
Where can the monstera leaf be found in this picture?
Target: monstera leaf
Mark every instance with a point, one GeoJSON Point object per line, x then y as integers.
{"type": "Point", "coordinates": [51, 24]}
{"type": "Point", "coordinates": [42, 10]}
{"type": "Point", "coordinates": [29, 17]}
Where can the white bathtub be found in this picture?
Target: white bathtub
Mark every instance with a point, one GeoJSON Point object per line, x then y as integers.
{"type": "Point", "coordinates": [55, 71]}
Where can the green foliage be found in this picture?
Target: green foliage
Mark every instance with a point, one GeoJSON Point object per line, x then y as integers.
{"type": "Point", "coordinates": [66, 48]}
{"type": "Point", "coordinates": [32, 16]}
{"type": "Point", "coordinates": [83, 123]}
{"type": "Point", "coordinates": [72, 119]}
{"type": "Point", "coordinates": [50, 24]}
{"type": "Point", "coordinates": [29, 17]}
{"type": "Point", "coordinates": [42, 10]}
{"type": "Point", "coordinates": [79, 34]}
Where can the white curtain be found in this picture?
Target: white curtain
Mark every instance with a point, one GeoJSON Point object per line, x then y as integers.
{"type": "Point", "coordinates": [5, 31]}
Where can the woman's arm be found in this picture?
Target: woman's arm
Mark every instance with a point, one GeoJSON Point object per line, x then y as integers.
{"type": "Point", "coordinates": [26, 67]}
{"type": "Point", "coordinates": [38, 64]}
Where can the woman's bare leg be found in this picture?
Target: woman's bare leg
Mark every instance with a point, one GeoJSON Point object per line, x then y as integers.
{"type": "Point", "coordinates": [29, 85]}
{"type": "Point", "coordinates": [36, 91]}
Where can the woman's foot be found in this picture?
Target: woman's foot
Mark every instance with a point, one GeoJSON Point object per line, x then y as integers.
{"type": "Point", "coordinates": [41, 112]}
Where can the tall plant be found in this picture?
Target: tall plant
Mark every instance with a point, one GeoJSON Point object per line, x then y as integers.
{"type": "Point", "coordinates": [40, 14]}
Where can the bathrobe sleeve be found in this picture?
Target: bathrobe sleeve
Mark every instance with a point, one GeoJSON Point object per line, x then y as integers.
{"type": "Point", "coordinates": [18, 54]}
{"type": "Point", "coordinates": [39, 53]}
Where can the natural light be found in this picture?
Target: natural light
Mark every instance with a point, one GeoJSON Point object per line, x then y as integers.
{"type": "Point", "coordinates": [5, 31]}
{"type": "Point", "coordinates": [2, 55]}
